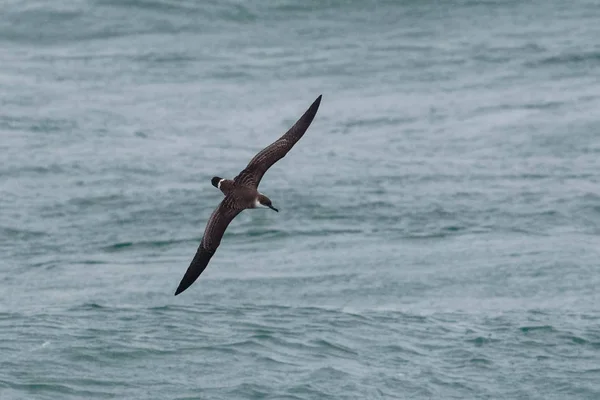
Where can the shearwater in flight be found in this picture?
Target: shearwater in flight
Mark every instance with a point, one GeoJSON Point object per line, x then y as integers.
{"type": "Point", "coordinates": [242, 193]}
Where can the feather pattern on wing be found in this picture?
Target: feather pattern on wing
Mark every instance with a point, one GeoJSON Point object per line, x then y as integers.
{"type": "Point", "coordinates": [261, 162]}
{"type": "Point", "coordinates": [215, 228]}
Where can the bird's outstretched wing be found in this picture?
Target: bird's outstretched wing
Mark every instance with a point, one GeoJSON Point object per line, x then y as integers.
{"type": "Point", "coordinates": [215, 228]}
{"type": "Point", "coordinates": [261, 162]}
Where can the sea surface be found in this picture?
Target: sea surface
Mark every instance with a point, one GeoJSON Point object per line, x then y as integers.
{"type": "Point", "coordinates": [439, 226]}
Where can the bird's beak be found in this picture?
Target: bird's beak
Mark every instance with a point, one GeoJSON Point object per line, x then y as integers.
{"type": "Point", "coordinates": [273, 208]}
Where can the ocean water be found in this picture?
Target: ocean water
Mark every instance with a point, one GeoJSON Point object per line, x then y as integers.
{"type": "Point", "coordinates": [439, 226]}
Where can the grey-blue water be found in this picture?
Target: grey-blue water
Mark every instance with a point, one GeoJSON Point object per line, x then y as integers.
{"type": "Point", "coordinates": [439, 226]}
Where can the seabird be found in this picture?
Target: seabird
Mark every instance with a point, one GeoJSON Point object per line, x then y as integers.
{"type": "Point", "coordinates": [242, 193]}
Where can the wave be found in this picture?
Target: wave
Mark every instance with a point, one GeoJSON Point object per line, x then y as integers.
{"type": "Point", "coordinates": [57, 23]}
{"type": "Point", "coordinates": [569, 59]}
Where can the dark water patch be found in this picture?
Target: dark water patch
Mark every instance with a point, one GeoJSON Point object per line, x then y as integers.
{"type": "Point", "coordinates": [543, 105]}
{"type": "Point", "coordinates": [480, 341]}
{"type": "Point", "coordinates": [10, 316]}
{"type": "Point", "coordinates": [591, 58]}
{"type": "Point", "coordinates": [228, 73]}
{"type": "Point", "coordinates": [266, 233]}
{"type": "Point", "coordinates": [86, 356]}
{"type": "Point", "coordinates": [392, 316]}
{"type": "Point", "coordinates": [306, 390]}
{"type": "Point", "coordinates": [248, 390]}
{"type": "Point", "coordinates": [277, 312]}
{"type": "Point", "coordinates": [453, 387]}
{"type": "Point", "coordinates": [510, 51]}
{"type": "Point", "coordinates": [274, 234]}
{"type": "Point", "coordinates": [33, 323]}
{"type": "Point", "coordinates": [89, 307]}
{"type": "Point", "coordinates": [94, 308]}
{"type": "Point", "coordinates": [262, 335]}
{"type": "Point", "coordinates": [263, 331]}
{"type": "Point", "coordinates": [20, 233]}
{"type": "Point", "coordinates": [419, 229]}
{"type": "Point", "coordinates": [46, 265]}
{"type": "Point", "coordinates": [189, 12]}
{"type": "Point", "coordinates": [537, 312]}
{"type": "Point", "coordinates": [419, 235]}
{"type": "Point", "coordinates": [538, 105]}
{"type": "Point", "coordinates": [173, 307]}
{"type": "Point", "coordinates": [455, 353]}
{"type": "Point", "coordinates": [37, 125]}
{"type": "Point", "coordinates": [593, 371]}
{"type": "Point", "coordinates": [577, 340]}
{"type": "Point", "coordinates": [396, 349]}
{"type": "Point", "coordinates": [284, 396]}
{"type": "Point", "coordinates": [238, 13]}
{"type": "Point", "coordinates": [363, 124]}
{"type": "Point", "coordinates": [38, 387]}
{"type": "Point", "coordinates": [119, 246]}
{"type": "Point", "coordinates": [100, 201]}
{"type": "Point", "coordinates": [296, 279]}
{"type": "Point", "coordinates": [179, 7]}
{"type": "Point", "coordinates": [162, 58]}
{"type": "Point", "coordinates": [480, 361]}
{"type": "Point", "coordinates": [241, 346]}
{"type": "Point", "coordinates": [328, 373]}
{"type": "Point", "coordinates": [272, 362]}
{"type": "Point", "coordinates": [452, 228]}
{"type": "Point", "coordinates": [126, 246]}
{"type": "Point", "coordinates": [537, 329]}
{"type": "Point", "coordinates": [324, 346]}
{"type": "Point", "coordinates": [109, 355]}
{"type": "Point", "coordinates": [23, 171]}
{"type": "Point", "coordinates": [90, 262]}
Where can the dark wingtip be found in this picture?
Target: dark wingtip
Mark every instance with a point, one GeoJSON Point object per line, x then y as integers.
{"type": "Point", "coordinates": [184, 284]}
{"type": "Point", "coordinates": [197, 266]}
{"type": "Point", "coordinates": [315, 105]}
{"type": "Point", "coordinates": [317, 101]}
{"type": "Point", "coordinates": [309, 114]}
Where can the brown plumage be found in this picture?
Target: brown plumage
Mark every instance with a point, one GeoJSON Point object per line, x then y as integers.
{"type": "Point", "coordinates": [242, 193]}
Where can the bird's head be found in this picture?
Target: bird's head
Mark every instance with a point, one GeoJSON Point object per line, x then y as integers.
{"type": "Point", "coordinates": [264, 201]}
{"type": "Point", "coordinates": [215, 181]}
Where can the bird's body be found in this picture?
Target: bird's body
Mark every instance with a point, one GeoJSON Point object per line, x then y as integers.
{"type": "Point", "coordinates": [242, 193]}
